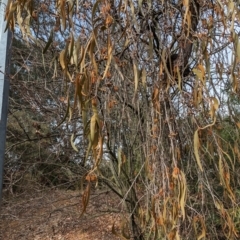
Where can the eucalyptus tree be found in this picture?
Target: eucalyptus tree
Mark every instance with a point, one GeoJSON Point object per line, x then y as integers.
{"type": "Point", "coordinates": [150, 81]}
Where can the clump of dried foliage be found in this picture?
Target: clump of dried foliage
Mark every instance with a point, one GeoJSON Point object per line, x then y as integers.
{"type": "Point", "coordinates": [138, 96]}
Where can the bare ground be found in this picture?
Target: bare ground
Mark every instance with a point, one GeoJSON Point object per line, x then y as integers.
{"type": "Point", "coordinates": [55, 214]}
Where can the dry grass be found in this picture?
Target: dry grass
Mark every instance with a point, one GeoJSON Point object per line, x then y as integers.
{"type": "Point", "coordinates": [54, 214]}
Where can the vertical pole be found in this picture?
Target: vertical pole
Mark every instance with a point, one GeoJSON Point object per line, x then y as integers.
{"type": "Point", "coordinates": [4, 86]}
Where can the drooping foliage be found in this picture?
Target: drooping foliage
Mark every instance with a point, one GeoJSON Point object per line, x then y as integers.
{"type": "Point", "coordinates": [156, 86]}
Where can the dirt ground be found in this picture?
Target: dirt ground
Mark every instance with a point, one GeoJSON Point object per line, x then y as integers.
{"type": "Point", "coordinates": [55, 214]}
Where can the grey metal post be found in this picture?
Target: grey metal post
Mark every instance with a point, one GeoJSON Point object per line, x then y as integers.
{"type": "Point", "coordinates": [4, 86]}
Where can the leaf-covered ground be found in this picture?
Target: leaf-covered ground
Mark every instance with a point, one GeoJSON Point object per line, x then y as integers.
{"type": "Point", "coordinates": [55, 214]}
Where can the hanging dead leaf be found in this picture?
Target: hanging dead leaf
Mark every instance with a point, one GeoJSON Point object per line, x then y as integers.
{"type": "Point", "coordinates": [9, 16]}
{"type": "Point", "coordinates": [136, 77]}
{"type": "Point", "coordinates": [144, 78]}
{"type": "Point", "coordinates": [85, 198]}
{"type": "Point", "coordinates": [175, 172]}
{"type": "Point", "coordinates": [62, 59]}
{"type": "Point", "coordinates": [214, 105]}
{"type": "Point", "coordinates": [238, 124]}
{"type": "Point", "coordinates": [108, 21]}
{"type": "Point", "coordinates": [109, 57]}
{"type": "Point", "coordinates": [182, 193]}
{"type": "Point", "coordinates": [200, 73]}
{"type": "Point", "coordinates": [91, 177]}
{"type": "Point", "coordinates": [72, 142]}
{"type": "Point", "coordinates": [94, 130]}
{"type": "Point", "coordinates": [172, 234]}
{"type": "Point", "coordinates": [196, 149]}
